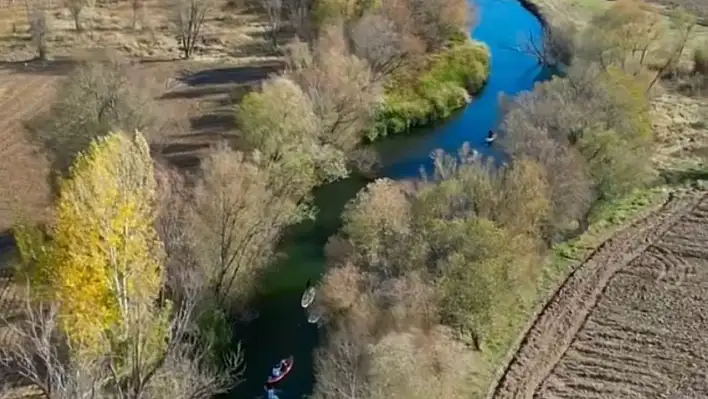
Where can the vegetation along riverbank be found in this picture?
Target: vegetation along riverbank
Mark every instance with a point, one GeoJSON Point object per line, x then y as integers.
{"type": "Point", "coordinates": [170, 197]}
{"type": "Point", "coordinates": [433, 282]}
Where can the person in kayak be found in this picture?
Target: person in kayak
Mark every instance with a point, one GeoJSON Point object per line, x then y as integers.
{"type": "Point", "coordinates": [270, 391]}
{"type": "Point", "coordinates": [491, 136]}
{"type": "Point", "coordinates": [279, 368]}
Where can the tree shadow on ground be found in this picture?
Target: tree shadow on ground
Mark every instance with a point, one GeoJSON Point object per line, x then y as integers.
{"type": "Point", "coordinates": [232, 75]}
{"type": "Point", "coordinates": [672, 176]}
{"type": "Point", "coordinates": [56, 67]}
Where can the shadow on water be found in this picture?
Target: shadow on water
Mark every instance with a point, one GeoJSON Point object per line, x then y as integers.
{"type": "Point", "coordinates": [282, 328]}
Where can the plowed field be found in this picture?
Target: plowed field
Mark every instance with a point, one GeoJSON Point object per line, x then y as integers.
{"type": "Point", "coordinates": [23, 172]}
{"type": "Point", "coordinates": [631, 321]}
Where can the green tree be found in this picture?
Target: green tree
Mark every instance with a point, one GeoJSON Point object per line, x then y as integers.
{"type": "Point", "coordinates": [280, 122]}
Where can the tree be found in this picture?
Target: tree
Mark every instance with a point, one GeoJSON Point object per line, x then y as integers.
{"type": "Point", "coordinates": [76, 7]}
{"type": "Point", "coordinates": [341, 90]}
{"type": "Point", "coordinates": [240, 217]}
{"type": "Point", "coordinates": [95, 98]}
{"type": "Point", "coordinates": [274, 12]}
{"type": "Point", "coordinates": [683, 23]}
{"type": "Point", "coordinates": [300, 17]}
{"type": "Point", "coordinates": [485, 270]}
{"type": "Point", "coordinates": [557, 47]}
{"type": "Point", "coordinates": [376, 39]}
{"type": "Point", "coordinates": [187, 18]}
{"type": "Point", "coordinates": [622, 35]}
{"type": "Point", "coordinates": [377, 223]}
{"type": "Point", "coordinates": [570, 192]}
{"type": "Point", "coordinates": [137, 7]}
{"type": "Point", "coordinates": [39, 25]}
{"type": "Point", "coordinates": [104, 265]}
{"type": "Point", "coordinates": [417, 365]}
{"type": "Point", "coordinates": [107, 259]}
{"type": "Point", "coordinates": [435, 22]}
{"type": "Point", "coordinates": [35, 355]}
{"type": "Point", "coordinates": [340, 367]}
{"type": "Point", "coordinates": [280, 122]}
{"type": "Point", "coordinates": [700, 60]}
{"type": "Point", "coordinates": [553, 124]}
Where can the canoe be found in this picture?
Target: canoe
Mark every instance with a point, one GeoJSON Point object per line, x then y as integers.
{"type": "Point", "coordinates": [307, 297]}
{"type": "Point", "coordinates": [288, 368]}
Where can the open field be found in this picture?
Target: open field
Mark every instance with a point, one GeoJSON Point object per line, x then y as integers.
{"type": "Point", "coordinates": [231, 57]}
{"type": "Point", "coordinates": [629, 321]}
{"type": "Point", "coordinates": [23, 172]}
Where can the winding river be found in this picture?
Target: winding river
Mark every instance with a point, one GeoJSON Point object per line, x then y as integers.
{"type": "Point", "coordinates": [282, 328]}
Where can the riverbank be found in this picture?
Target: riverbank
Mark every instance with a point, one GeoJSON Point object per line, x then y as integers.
{"type": "Point", "coordinates": [416, 97]}
{"type": "Point", "coordinates": [672, 112]}
{"type": "Point", "coordinates": [281, 328]}
{"type": "Point", "coordinates": [677, 113]}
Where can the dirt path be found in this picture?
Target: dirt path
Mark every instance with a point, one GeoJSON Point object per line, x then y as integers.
{"type": "Point", "coordinates": [565, 314]}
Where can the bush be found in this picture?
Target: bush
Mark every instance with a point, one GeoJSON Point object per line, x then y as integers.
{"type": "Point", "coordinates": [416, 98]}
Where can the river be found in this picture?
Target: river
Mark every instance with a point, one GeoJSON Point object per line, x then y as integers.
{"type": "Point", "coordinates": [282, 329]}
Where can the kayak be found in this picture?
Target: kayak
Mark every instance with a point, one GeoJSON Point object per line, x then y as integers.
{"type": "Point", "coordinates": [313, 317]}
{"type": "Point", "coordinates": [307, 297]}
{"type": "Point", "coordinates": [491, 139]}
{"type": "Point", "coordinates": [290, 362]}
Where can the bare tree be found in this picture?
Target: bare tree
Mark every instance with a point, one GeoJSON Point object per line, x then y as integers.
{"type": "Point", "coordinates": [341, 369]}
{"type": "Point", "coordinates": [341, 88]}
{"type": "Point", "coordinates": [37, 353]}
{"type": "Point", "coordinates": [376, 39]}
{"type": "Point", "coordinates": [187, 18]}
{"type": "Point", "coordinates": [240, 215]}
{"type": "Point", "coordinates": [141, 368]}
{"type": "Point", "coordinates": [76, 7]}
{"type": "Point", "coordinates": [39, 25]}
{"type": "Point", "coordinates": [684, 24]}
{"type": "Point", "coordinates": [274, 12]}
{"type": "Point", "coordinates": [299, 14]}
{"type": "Point", "coordinates": [137, 7]}
{"type": "Point", "coordinates": [96, 98]}
{"type": "Point", "coordinates": [557, 46]}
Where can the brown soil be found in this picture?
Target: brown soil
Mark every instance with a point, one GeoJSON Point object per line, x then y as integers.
{"type": "Point", "coordinates": [23, 172]}
{"type": "Point", "coordinates": [630, 320]}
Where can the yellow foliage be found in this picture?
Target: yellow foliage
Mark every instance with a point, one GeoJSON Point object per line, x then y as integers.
{"type": "Point", "coordinates": [106, 260]}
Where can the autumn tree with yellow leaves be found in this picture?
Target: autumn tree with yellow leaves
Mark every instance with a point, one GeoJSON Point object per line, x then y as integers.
{"type": "Point", "coordinates": [102, 265]}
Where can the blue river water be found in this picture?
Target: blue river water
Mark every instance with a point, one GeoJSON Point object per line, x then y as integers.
{"type": "Point", "coordinates": [282, 329]}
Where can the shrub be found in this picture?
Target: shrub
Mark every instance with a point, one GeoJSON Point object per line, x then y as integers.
{"type": "Point", "coordinates": [415, 98]}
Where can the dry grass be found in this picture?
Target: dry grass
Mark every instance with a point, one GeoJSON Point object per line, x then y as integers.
{"type": "Point", "coordinates": [228, 34]}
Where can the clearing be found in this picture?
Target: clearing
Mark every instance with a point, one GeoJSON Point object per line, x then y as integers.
{"type": "Point", "coordinates": [630, 320]}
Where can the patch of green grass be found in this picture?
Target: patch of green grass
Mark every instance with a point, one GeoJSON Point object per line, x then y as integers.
{"type": "Point", "coordinates": [605, 220]}
{"type": "Point", "coordinates": [417, 98]}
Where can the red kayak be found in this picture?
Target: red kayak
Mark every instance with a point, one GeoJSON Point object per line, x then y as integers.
{"type": "Point", "coordinates": [284, 371]}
